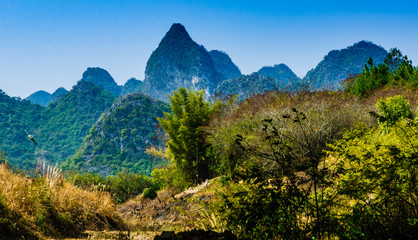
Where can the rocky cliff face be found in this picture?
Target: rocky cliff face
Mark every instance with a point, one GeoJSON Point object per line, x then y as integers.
{"type": "Point", "coordinates": [179, 62]}
{"type": "Point", "coordinates": [101, 78]}
{"type": "Point", "coordinates": [338, 64]}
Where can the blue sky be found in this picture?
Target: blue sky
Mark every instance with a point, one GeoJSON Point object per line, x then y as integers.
{"type": "Point", "coordinates": [47, 44]}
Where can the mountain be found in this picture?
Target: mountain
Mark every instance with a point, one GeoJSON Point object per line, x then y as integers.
{"type": "Point", "coordinates": [224, 65]}
{"type": "Point", "coordinates": [40, 97]}
{"type": "Point", "coordinates": [282, 74]}
{"type": "Point", "coordinates": [101, 78]}
{"type": "Point", "coordinates": [118, 139]}
{"type": "Point", "coordinates": [179, 62]}
{"type": "Point", "coordinates": [131, 86]}
{"type": "Point", "coordinates": [245, 86]}
{"type": "Point", "coordinates": [58, 94]}
{"type": "Point", "coordinates": [338, 64]}
{"type": "Point", "coordinates": [67, 121]}
{"type": "Point", "coordinates": [18, 117]}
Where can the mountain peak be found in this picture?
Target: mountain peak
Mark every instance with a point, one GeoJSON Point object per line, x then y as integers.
{"type": "Point", "coordinates": [179, 62]}
{"type": "Point", "coordinates": [176, 37]}
{"type": "Point", "coordinates": [100, 77]}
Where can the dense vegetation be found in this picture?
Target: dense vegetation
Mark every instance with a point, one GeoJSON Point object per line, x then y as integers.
{"type": "Point", "coordinates": [16, 117]}
{"type": "Point", "coordinates": [68, 121]}
{"type": "Point", "coordinates": [118, 139]}
{"type": "Point", "coordinates": [190, 153]}
{"type": "Point", "coordinates": [338, 64]}
{"type": "Point", "coordinates": [396, 70]}
{"type": "Point", "coordinates": [58, 130]}
{"type": "Point", "coordinates": [310, 165]}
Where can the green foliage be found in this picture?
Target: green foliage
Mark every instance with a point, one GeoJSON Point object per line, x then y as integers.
{"type": "Point", "coordinates": [396, 70]}
{"type": "Point", "coordinates": [124, 186]}
{"type": "Point", "coordinates": [281, 186]}
{"type": "Point", "coordinates": [338, 64]}
{"type": "Point", "coordinates": [379, 172]}
{"type": "Point", "coordinates": [67, 122]}
{"type": "Point", "coordinates": [16, 117]}
{"type": "Point", "coordinates": [149, 193]}
{"type": "Point", "coordinates": [393, 110]}
{"type": "Point", "coordinates": [117, 141]}
{"type": "Point", "coordinates": [121, 186]}
{"type": "Point", "coordinates": [262, 210]}
{"type": "Point", "coordinates": [170, 177]}
{"type": "Point", "coordinates": [186, 140]}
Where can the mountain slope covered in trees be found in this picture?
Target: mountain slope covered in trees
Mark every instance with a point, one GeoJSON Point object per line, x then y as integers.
{"type": "Point", "coordinates": [118, 139]}
{"type": "Point", "coordinates": [338, 64]}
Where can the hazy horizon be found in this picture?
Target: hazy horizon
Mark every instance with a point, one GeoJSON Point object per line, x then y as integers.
{"type": "Point", "coordinates": [48, 44]}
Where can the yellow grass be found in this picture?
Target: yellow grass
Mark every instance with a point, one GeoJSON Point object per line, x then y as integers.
{"type": "Point", "coordinates": [54, 207]}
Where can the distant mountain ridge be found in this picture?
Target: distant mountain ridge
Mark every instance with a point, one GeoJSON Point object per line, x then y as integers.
{"type": "Point", "coordinates": [269, 78]}
{"type": "Point", "coordinates": [40, 97]}
{"type": "Point", "coordinates": [283, 75]}
{"type": "Point", "coordinates": [100, 77]}
{"type": "Point", "coordinates": [338, 64]}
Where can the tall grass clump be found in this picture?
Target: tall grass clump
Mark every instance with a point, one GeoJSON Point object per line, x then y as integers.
{"type": "Point", "coordinates": [50, 206]}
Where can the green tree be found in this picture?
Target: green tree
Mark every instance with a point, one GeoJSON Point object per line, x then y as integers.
{"type": "Point", "coordinates": [186, 141]}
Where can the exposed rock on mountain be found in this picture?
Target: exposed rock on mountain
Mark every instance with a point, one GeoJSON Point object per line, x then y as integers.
{"type": "Point", "coordinates": [101, 78]}
{"type": "Point", "coordinates": [179, 62]}
{"type": "Point", "coordinates": [118, 139]}
{"type": "Point", "coordinates": [338, 64]}
{"type": "Point", "coordinates": [40, 97]}
{"type": "Point", "coordinates": [224, 65]}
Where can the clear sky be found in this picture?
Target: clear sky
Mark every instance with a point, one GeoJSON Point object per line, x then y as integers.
{"type": "Point", "coordinates": [46, 44]}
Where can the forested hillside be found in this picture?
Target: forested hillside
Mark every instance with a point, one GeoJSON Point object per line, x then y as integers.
{"type": "Point", "coordinates": [337, 65]}
{"type": "Point", "coordinates": [118, 139]}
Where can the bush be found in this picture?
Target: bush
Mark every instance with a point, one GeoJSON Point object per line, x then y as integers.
{"type": "Point", "coordinates": [149, 193]}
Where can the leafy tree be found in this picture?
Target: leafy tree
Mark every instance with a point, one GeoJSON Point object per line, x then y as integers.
{"type": "Point", "coordinates": [186, 137]}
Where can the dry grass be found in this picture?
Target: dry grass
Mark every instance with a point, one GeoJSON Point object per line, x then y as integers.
{"type": "Point", "coordinates": [54, 207]}
{"type": "Point", "coordinates": [185, 212]}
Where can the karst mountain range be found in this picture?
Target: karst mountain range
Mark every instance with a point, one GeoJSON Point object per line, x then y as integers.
{"type": "Point", "coordinates": [99, 126]}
